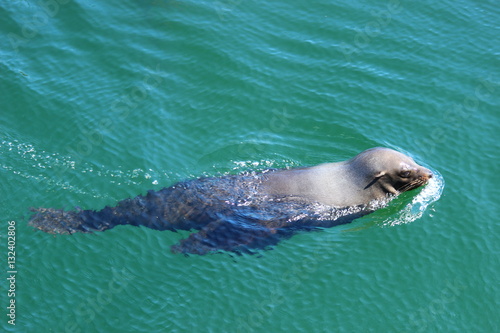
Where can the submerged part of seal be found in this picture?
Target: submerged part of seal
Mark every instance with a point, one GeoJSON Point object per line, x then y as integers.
{"type": "Point", "coordinates": [254, 210]}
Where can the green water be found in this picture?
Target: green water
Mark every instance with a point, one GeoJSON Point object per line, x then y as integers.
{"type": "Point", "coordinates": [104, 101]}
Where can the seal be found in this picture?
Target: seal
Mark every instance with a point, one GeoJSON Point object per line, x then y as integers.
{"type": "Point", "coordinates": [254, 210]}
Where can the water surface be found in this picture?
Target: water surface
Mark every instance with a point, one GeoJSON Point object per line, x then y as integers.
{"type": "Point", "coordinates": [101, 102]}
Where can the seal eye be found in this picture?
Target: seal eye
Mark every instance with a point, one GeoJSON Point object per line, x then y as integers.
{"type": "Point", "coordinates": [405, 174]}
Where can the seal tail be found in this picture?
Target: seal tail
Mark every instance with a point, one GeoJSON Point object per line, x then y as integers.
{"type": "Point", "coordinates": [58, 221]}
{"type": "Point", "coordinates": [151, 210]}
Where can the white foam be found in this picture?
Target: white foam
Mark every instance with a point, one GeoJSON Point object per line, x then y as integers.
{"type": "Point", "coordinates": [36, 164]}
{"type": "Point", "coordinates": [416, 208]}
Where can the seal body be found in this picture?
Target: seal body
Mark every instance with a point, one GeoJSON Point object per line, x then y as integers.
{"type": "Point", "coordinates": [254, 210]}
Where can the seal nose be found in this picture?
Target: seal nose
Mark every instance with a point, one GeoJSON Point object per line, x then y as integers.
{"type": "Point", "coordinates": [426, 174]}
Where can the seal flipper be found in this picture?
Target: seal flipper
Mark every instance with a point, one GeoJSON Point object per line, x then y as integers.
{"type": "Point", "coordinates": [227, 236]}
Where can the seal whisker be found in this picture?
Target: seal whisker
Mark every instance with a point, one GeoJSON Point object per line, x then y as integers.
{"type": "Point", "coordinates": [412, 185]}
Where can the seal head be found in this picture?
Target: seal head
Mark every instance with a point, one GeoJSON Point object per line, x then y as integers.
{"type": "Point", "coordinates": [390, 171]}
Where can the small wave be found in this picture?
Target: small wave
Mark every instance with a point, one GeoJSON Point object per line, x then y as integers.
{"type": "Point", "coordinates": [38, 158]}
{"type": "Point", "coordinates": [57, 170]}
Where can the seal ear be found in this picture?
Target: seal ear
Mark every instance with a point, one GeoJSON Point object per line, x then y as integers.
{"type": "Point", "coordinates": [375, 178]}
